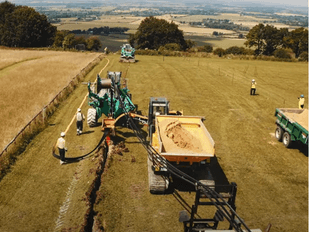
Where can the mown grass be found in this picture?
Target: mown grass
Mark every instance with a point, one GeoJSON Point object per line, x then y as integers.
{"type": "Point", "coordinates": [272, 180]}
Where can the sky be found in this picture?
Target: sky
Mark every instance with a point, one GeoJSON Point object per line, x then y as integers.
{"type": "Point", "coordinates": [296, 3]}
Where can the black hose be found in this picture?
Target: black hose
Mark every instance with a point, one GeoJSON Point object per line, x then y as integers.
{"type": "Point", "coordinates": [78, 158]}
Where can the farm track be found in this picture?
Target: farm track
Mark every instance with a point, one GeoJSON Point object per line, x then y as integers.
{"type": "Point", "coordinates": [40, 195]}
{"type": "Point", "coordinates": [16, 63]}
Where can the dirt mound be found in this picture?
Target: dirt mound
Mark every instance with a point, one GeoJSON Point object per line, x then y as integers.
{"type": "Point", "coordinates": [301, 118]}
{"type": "Point", "coordinates": [176, 138]}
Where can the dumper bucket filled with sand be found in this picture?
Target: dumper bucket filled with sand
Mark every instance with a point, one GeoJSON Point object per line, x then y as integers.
{"type": "Point", "coordinates": [184, 138]}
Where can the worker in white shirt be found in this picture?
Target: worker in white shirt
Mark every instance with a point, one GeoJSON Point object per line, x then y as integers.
{"type": "Point", "coordinates": [61, 147]}
{"type": "Point", "coordinates": [79, 121]}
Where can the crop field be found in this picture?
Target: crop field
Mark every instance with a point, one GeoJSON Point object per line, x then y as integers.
{"type": "Point", "coordinates": [41, 195]}
{"type": "Point", "coordinates": [29, 80]}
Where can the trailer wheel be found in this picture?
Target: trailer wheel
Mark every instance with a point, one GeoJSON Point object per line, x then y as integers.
{"type": "Point", "coordinates": [287, 139]}
{"type": "Point", "coordinates": [92, 117]}
{"type": "Point", "coordinates": [279, 133]}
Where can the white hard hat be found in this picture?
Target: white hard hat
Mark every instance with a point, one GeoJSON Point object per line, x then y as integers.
{"type": "Point", "coordinates": [62, 134]}
{"type": "Point", "coordinates": [253, 80]}
{"type": "Point", "coordinates": [79, 110]}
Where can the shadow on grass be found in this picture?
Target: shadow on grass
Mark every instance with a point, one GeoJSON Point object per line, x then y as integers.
{"type": "Point", "coordinates": [205, 172]}
{"type": "Point", "coordinates": [303, 148]}
{"type": "Point", "coordinates": [88, 132]}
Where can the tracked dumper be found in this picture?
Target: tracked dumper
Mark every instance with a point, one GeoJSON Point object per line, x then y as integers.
{"type": "Point", "coordinates": [184, 141]}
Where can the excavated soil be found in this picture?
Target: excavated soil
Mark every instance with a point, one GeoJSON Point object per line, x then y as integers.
{"type": "Point", "coordinates": [301, 119]}
{"type": "Point", "coordinates": [176, 138]}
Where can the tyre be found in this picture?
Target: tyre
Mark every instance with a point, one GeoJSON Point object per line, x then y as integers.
{"type": "Point", "coordinates": [278, 133]}
{"type": "Point", "coordinates": [286, 139]}
{"type": "Point", "coordinates": [92, 117]}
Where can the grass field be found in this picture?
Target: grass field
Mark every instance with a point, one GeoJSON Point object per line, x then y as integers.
{"type": "Point", "coordinates": [29, 80]}
{"type": "Point", "coordinates": [272, 180]}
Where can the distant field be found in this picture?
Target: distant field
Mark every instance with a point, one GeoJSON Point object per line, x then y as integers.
{"type": "Point", "coordinates": [29, 80]}
{"type": "Point", "coordinates": [225, 43]}
{"type": "Point", "coordinates": [200, 35]}
{"type": "Point", "coordinates": [109, 21]}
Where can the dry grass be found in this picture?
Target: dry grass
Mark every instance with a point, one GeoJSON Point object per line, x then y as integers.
{"type": "Point", "coordinates": [29, 80]}
{"type": "Point", "coordinates": [37, 186]}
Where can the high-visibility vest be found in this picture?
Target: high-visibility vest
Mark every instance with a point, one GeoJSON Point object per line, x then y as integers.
{"type": "Point", "coordinates": [301, 101]}
{"type": "Point", "coordinates": [253, 85]}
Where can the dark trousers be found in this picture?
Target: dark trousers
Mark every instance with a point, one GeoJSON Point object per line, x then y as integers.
{"type": "Point", "coordinates": [62, 154]}
{"type": "Point", "coordinates": [79, 125]}
{"type": "Point", "coordinates": [252, 91]}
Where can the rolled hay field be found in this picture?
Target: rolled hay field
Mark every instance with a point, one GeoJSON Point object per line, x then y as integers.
{"type": "Point", "coordinates": [29, 80]}
{"type": "Point", "coordinates": [41, 195]}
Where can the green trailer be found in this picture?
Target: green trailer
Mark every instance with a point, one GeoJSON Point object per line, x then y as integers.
{"type": "Point", "coordinates": [292, 125]}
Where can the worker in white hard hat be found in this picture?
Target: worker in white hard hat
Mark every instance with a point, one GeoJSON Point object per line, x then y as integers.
{"type": "Point", "coordinates": [79, 121]}
{"type": "Point", "coordinates": [253, 87]}
{"type": "Point", "coordinates": [301, 102]}
{"type": "Point", "coordinates": [61, 147]}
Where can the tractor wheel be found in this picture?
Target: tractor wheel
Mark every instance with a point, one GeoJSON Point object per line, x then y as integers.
{"type": "Point", "coordinates": [92, 117]}
{"type": "Point", "coordinates": [278, 133]}
{"type": "Point", "coordinates": [286, 139]}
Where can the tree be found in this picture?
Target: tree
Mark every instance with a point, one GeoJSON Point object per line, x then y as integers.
{"type": "Point", "coordinates": [153, 33]}
{"type": "Point", "coordinates": [235, 50]}
{"type": "Point", "coordinates": [22, 26]}
{"type": "Point", "coordinates": [68, 41]}
{"type": "Point", "coordinates": [208, 48]}
{"type": "Point", "coordinates": [271, 39]}
{"type": "Point", "coordinates": [5, 8]}
{"type": "Point", "coordinates": [303, 56]}
{"type": "Point", "coordinates": [172, 47]}
{"type": "Point", "coordinates": [190, 43]}
{"type": "Point", "coordinates": [255, 38]}
{"type": "Point", "coordinates": [93, 43]}
{"type": "Point", "coordinates": [282, 54]}
{"type": "Point", "coordinates": [297, 40]}
{"type": "Point", "coordinates": [219, 51]}
{"type": "Point", "coordinates": [59, 37]}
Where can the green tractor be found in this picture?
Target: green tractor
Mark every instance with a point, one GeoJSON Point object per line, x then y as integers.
{"type": "Point", "coordinates": [107, 99]}
{"type": "Point", "coordinates": [127, 53]}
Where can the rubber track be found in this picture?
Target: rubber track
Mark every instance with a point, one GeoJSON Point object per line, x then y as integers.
{"type": "Point", "coordinates": [78, 158]}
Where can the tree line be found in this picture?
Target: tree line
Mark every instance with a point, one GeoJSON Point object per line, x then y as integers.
{"type": "Point", "coordinates": [22, 26]}
{"type": "Point", "coordinates": [267, 39]}
{"type": "Point", "coordinates": [101, 30]}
